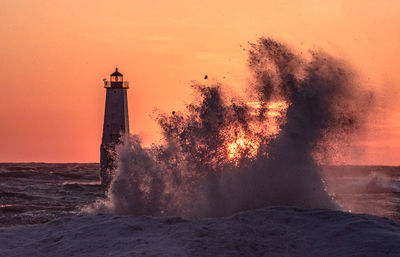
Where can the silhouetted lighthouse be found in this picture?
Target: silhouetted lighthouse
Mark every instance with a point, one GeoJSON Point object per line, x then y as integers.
{"type": "Point", "coordinates": [116, 122]}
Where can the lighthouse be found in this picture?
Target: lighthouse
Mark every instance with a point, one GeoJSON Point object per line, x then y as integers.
{"type": "Point", "coordinates": [116, 123]}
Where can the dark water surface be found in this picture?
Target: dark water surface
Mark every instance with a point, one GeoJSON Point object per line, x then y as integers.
{"type": "Point", "coordinates": [366, 189]}
{"type": "Point", "coordinates": [39, 192]}
{"type": "Point", "coordinates": [32, 193]}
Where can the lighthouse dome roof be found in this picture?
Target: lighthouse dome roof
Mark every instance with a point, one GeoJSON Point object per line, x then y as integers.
{"type": "Point", "coordinates": [116, 73]}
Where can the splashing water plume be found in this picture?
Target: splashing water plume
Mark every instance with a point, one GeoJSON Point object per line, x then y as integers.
{"type": "Point", "coordinates": [225, 155]}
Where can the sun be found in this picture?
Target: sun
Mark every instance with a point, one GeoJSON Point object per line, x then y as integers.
{"type": "Point", "coordinates": [242, 146]}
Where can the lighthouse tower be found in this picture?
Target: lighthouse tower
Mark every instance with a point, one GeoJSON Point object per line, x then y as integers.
{"type": "Point", "coordinates": [116, 123]}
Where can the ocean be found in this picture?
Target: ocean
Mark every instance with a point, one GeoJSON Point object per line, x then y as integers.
{"type": "Point", "coordinates": [33, 193]}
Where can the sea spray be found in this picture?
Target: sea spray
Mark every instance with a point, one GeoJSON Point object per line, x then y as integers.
{"type": "Point", "coordinates": [224, 155]}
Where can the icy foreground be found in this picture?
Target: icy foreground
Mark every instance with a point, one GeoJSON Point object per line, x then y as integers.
{"type": "Point", "coordinates": [265, 232]}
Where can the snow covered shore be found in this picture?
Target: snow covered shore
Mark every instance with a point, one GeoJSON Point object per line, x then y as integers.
{"type": "Point", "coordinates": [276, 231]}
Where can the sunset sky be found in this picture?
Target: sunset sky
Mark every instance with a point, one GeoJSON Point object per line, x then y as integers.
{"type": "Point", "coordinates": [54, 55]}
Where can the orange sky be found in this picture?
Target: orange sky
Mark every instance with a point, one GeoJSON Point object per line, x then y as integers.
{"type": "Point", "coordinates": [54, 55]}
